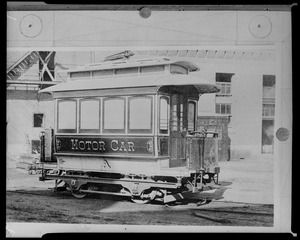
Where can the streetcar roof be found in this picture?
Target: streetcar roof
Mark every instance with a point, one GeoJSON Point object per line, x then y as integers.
{"type": "Point", "coordinates": [134, 82]}
{"type": "Point", "coordinates": [117, 64]}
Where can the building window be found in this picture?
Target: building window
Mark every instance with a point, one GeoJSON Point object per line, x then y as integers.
{"type": "Point", "coordinates": [191, 116]}
{"type": "Point", "coordinates": [268, 113]}
{"type": "Point", "coordinates": [164, 115]}
{"type": "Point", "coordinates": [35, 146]}
{"type": "Point", "coordinates": [269, 86]}
{"type": "Point", "coordinates": [38, 119]}
{"type": "Point", "coordinates": [140, 114]}
{"type": "Point", "coordinates": [225, 89]}
{"type": "Point", "coordinates": [223, 80]}
{"type": "Point", "coordinates": [267, 136]}
{"type": "Point", "coordinates": [223, 108]}
{"type": "Point", "coordinates": [114, 115]}
{"type": "Point", "coordinates": [268, 110]}
{"type": "Point", "coordinates": [223, 97]}
{"type": "Point", "coordinates": [89, 120]}
{"type": "Point", "coordinates": [66, 116]}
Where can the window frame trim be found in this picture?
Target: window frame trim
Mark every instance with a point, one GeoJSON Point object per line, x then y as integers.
{"type": "Point", "coordinates": [42, 125]}
{"type": "Point", "coordinates": [195, 113]}
{"type": "Point", "coordinates": [141, 131]}
{"type": "Point", "coordinates": [82, 130]}
{"type": "Point", "coordinates": [76, 116]}
{"type": "Point", "coordinates": [154, 72]}
{"type": "Point", "coordinates": [168, 115]}
{"type": "Point", "coordinates": [177, 65]}
{"type": "Point", "coordinates": [230, 104]}
{"type": "Point", "coordinates": [103, 115]}
{"type": "Point", "coordinates": [77, 78]}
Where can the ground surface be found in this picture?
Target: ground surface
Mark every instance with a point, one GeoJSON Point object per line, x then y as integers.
{"type": "Point", "coordinates": [248, 201]}
{"type": "Point", "coordinates": [46, 206]}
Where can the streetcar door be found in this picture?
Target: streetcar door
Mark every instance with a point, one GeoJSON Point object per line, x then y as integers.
{"type": "Point", "coordinates": [178, 129]}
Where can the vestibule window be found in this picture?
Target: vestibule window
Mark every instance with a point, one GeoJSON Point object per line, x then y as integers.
{"type": "Point", "coordinates": [66, 116]}
{"type": "Point", "coordinates": [140, 114]}
{"type": "Point", "coordinates": [89, 120]}
{"type": "Point", "coordinates": [164, 115]}
{"type": "Point", "coordinates": [191, 116]}
{"type": "Point", "coordinates": [176, 69]}
{"type": "Point", "coordinates": [114, 115]}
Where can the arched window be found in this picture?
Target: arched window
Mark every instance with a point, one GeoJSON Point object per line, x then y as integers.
{"type": "Point", "coordinates": [164, 115]}
{"type": "Point", "coordinates": [176, 69]}
{"type": "Point", "coordinates": [191, 116]}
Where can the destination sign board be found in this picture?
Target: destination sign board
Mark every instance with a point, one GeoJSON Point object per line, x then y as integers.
{"type": "Point", "coordinates": [104, 145]}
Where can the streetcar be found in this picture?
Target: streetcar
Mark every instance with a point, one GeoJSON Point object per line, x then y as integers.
{"type": "Point", "coordinates": [128, 127]}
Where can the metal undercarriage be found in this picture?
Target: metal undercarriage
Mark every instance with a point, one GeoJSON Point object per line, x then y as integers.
{"type": "Point", "coordinates": [201, 186]}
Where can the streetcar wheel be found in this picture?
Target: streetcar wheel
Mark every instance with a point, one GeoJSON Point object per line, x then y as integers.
{"type": "Point", "coordinates": [79, 194]}
{"type": "Point", "coordinates": [145, 197]}
{"type": "Point", "coordinates": [140, 200]}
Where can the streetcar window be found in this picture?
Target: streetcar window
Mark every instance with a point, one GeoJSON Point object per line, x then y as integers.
{"type": "Point", "coordinates": [127, 70]}
{"type": "Point", "coordinates": [191, 116]}
{"type": "Point", "coordinates": [152, 69]}
{"type": "Point", "coordinates": [85, 74]}
{"type": "Point", "coordinates": [66, 116]}
{"type": "Point", "coordinates": [140, 114]}
{"type": "Point", "coordinates": [89, 120]}
{"type": "Point", "coordinates": [114, 115]}
{"type": "Point", "coordinates": [101, 73]}
{"type": "Point", "coordinates": [176, 69]}
{"type": "Point", "coordinates": [164, 115]}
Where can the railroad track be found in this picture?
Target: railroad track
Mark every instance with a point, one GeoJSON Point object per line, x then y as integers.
{"type": "Point", "coordinates": [227, 216]}
{"type": "Point", "coordinates": [33, 193]}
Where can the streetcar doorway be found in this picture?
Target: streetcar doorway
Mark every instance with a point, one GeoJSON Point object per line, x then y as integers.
{"type": "Point", "coordinates": [178, 129]}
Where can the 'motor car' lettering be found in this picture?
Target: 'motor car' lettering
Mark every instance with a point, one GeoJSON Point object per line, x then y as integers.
{"type": "Point", "coordinates": [104, 145]}
{"type": "Point", "coordinates": [115, 145]}
{"type": "Point", "coordinates": [87, 145]}
{"type": "Point", "coordinates": [74, 144]}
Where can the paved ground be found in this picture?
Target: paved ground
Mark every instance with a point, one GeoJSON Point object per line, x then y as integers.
{"type": "Point", "coordinates": [252, 180]}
